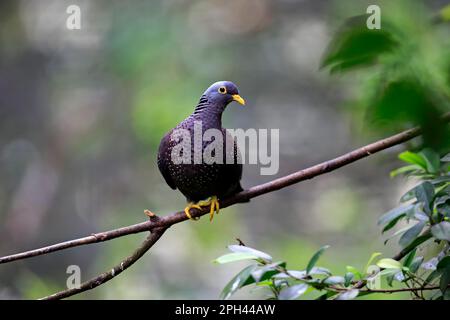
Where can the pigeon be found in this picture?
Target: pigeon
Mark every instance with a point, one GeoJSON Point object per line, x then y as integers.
{"type": "Point", "coordinates": [182, 163]}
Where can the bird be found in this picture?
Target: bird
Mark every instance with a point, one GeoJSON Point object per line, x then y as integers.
{"type": "Point", "coordinates": [204, 184]}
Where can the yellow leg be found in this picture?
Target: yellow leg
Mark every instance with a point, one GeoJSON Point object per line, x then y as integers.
{"type": "Point", "coordinates": [213, 202]}
{"type": "Point", "coordinates": [189, 207]}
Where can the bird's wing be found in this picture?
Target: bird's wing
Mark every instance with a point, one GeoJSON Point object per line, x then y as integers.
{"type": "Point", "coordinates": [164, 152]}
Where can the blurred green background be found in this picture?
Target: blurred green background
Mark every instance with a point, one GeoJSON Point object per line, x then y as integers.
{"type": "Point", "coordinates": [82, 113]}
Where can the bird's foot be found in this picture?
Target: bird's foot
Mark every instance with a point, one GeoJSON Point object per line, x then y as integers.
{"type": "Point", "coordinates": [189, 207]}
{"type": "Point", "coordinates": [213, 202]}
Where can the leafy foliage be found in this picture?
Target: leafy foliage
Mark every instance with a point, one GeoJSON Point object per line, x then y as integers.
{"type": "Point", "coordinates": [402, 81]}
{"type": "Point", "coordinates": [426, 217]}
{"type": "Point", "coordinates": [356, 46]}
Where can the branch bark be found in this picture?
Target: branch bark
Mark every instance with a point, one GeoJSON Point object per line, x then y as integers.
{"type": "Point", "coordinates": [401, 289]}
{"type": "Point", "coordinates": [115, 271]}
{"type": "Point", "coordinates": [157, 226]}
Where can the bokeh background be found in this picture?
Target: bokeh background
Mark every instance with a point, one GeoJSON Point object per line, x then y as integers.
{"type": "Point", "coordinates": [82, 113]}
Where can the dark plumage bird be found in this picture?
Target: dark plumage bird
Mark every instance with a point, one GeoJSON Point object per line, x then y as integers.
{"type": "Point", "coordinates": [204, 183]}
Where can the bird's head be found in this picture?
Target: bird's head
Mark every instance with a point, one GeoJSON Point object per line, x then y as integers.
{"type": "Point", "coordinates": [222, 93]}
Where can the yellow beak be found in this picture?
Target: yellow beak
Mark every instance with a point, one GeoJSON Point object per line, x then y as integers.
{"type": "Point", "coordinates": [239, 99]}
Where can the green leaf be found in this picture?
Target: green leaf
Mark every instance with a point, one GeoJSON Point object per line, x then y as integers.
{"type": "Point", "coordinates": [408, 195]}
{"type": "Point", "coordinates": [296, 274]}
{"type": "Point", "coordinates": [394, 214]}
{"type": "Point", "coordinates": [348, 278]}
{"type": "Point", "coordinates": [444, 267]}
{"type": "Point", "coordinates": [245, 249]}
{"type": "Point", "coordinates": [441, 230]}
{"type": "Point", "coordinates": [445, 280]}
{"type": "Point", "coordinates": [441, 179]}
{"type": "Point", "coordinates": [432, 276]}
{"type": "Point", "coordinates": [355, 45]}
{"type": "Point", "coordinates": [444, 209]}
{"type": "Point", "coordinates": [388, 263]}
{"type": "Point", "coordinates": [419, 214]}
{"type": "Point", "coordinates": [233, 257]}
{"type": "Point", "coordinates": [319, 271]}
{"type": "Point", "coordinates": [406, 99]}
{"type": "Point", "coordinates": [372, 257]}
{"type": "Point", "coordinates": [442, 200]}
{"type": "Point", "coordinates": [415, 264]}
{"type": "Point", "coordinates": [387, 272]}
{"type": "Point", "coordinates": [444, 263]}
{"type": "Point", "coordinates": [418, 241]}
{"type": "Point", "coordinates": [412, 233]}
{"type": "Point", "coordinates": [237, 282]}
{"type": "Point", "coordinates": [334, 280]}
{"type": "Point", "coordinates": [348, 295]}
{"type": "Point", "coordinates": [267, 271]}
{"type": "Point", "coordinates": [413, 158]}
{"type": "Point", "coordinates": [442, 196]}
{"type": "Point", "coordinates": [355, 271]}
{"type": "Point", "coordinates": [405, 169]}
{"type": "Point", "coordinates": [425, 193]}
{"type": "Point", "coordinates": [300, 274]}
{"type": "Point", "coordinates": [392, 223]}
{"type": "Point", "coordinates": [293, 292]}
{"type": "Point", "coordinates": [315, 258]}
{"type": "Point", "coordinates": [433, 163]}
{"type": "Point", "coordinates": [446, 295]}
{"type": "Point", "coordinates": [397, 233]}
{"type": "Point", "coordinates": [409, 258]}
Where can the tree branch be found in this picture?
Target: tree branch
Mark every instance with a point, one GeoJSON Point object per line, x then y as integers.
{"type": "Point", "coordinates": [400, 289]}
{"type": "Point", "coordinates": [93, 238]}
{"type": "Point", "coordinates": [159, 225]}
{"type": "Point", "coordinates": [108, 275]}
{"type": "Point", "coordinates": [253, 192]}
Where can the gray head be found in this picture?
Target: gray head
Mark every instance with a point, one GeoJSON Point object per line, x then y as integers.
{"type": "Point", "coordinates": [221, 93]}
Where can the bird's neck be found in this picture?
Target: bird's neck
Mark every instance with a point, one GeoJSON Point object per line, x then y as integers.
{"type": "Point", "coordinates": [210, 116]}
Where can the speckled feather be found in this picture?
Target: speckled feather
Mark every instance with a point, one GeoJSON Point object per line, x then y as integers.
{"type": "Point", "coordinates": [200, 181]}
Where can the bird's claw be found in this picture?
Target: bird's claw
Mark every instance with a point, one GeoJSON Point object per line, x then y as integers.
{"type": "Point", "coordinates": [215, 207]}
{"type": "Point", "coordinates": [213, 202]}
{"type": "Point", "coordinates": [189, 207]}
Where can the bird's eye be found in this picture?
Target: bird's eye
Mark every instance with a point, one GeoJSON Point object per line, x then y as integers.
{"type": "Point", "coordinates": [222, 90]}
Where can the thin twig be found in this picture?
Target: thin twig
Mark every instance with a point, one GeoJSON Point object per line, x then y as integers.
{"type": "Point", "coordinates": [108, 275]}
{"type": "Point", "coordinates": [399, 290]}
{"type": "Point", "coordinates": [93, 238]}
